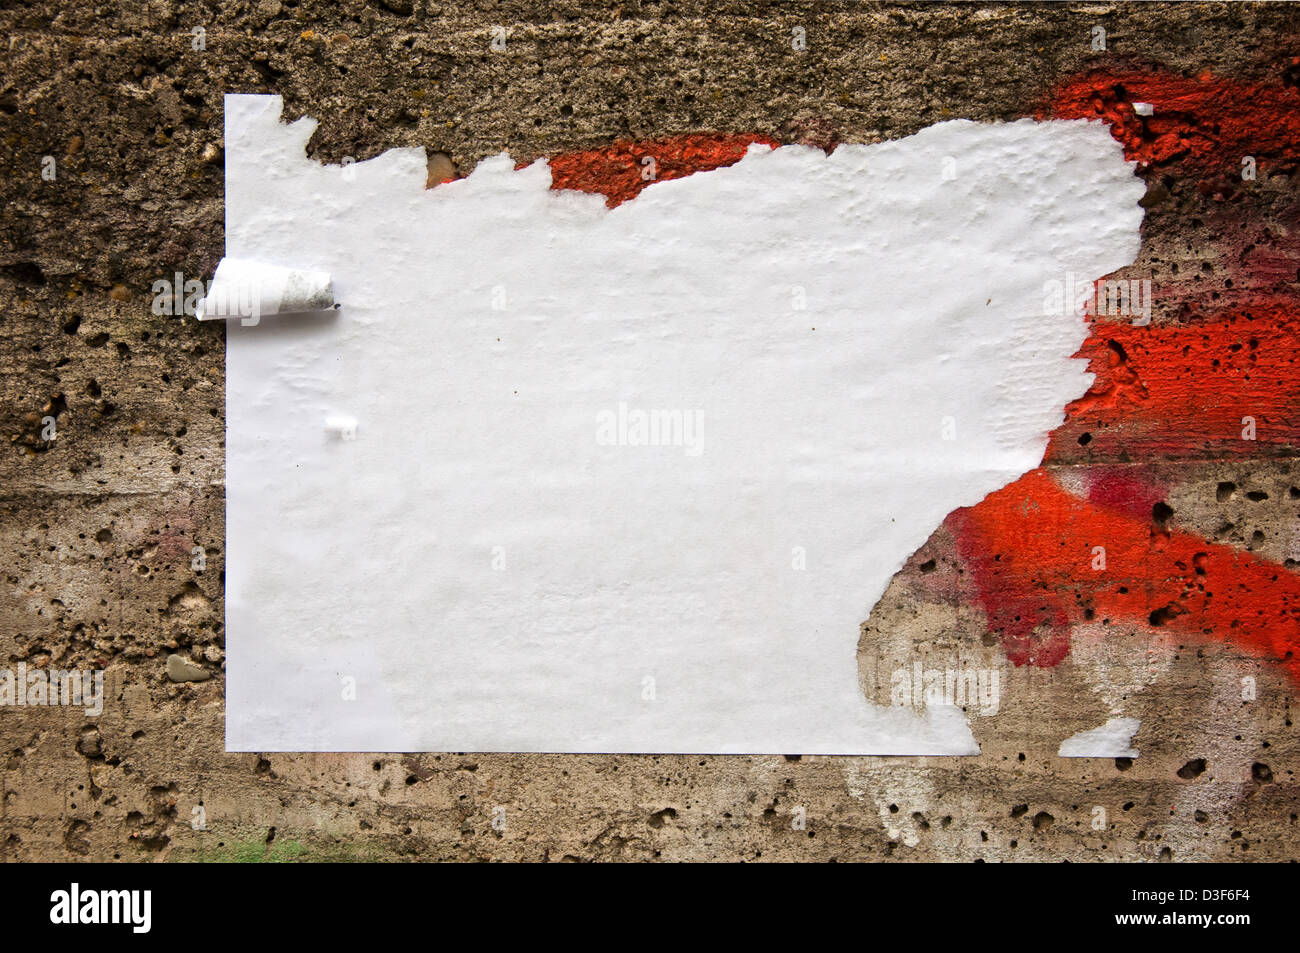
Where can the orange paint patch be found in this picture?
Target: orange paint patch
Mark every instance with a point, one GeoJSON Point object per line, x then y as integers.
{"type": "Point", "coordinates": [1207, 122]}
{"type": "Point", "coordinates": [619, 172]}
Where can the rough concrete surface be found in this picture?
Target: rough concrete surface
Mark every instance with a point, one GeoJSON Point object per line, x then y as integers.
{"type": "Point", "coordinates": [98, 525]}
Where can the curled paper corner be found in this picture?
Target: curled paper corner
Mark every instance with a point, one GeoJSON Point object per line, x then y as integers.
{"type": "Point", "coordinates": [1112, 740]}
{"type": "Point", "coordinates": [246, 289]}
{"type": "Point", "coordinates": [344, 428]}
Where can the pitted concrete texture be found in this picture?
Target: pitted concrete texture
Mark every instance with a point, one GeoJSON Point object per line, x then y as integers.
{"type": "Point", "coordinates": [100, 523]}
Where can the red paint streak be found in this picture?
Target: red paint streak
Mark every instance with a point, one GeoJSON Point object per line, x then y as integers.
{"type": "Point", "coordinates": [619, 172]}
{"type": "Point", "coordinates": [1183, 390]}
{"type": "Point", "coordinates": [1208, 122]}
{"type": "Point", "coordinates": [1030, 547]}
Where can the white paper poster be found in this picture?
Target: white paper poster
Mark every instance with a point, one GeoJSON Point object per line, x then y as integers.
{"type": "Point", "coordinates": [559, 477]}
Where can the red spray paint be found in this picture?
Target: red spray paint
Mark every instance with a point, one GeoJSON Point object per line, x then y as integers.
{"type": "Point", "coordinates": [620, 171]}
{"type": "Point", "coordinates": [1206, 123]}
{"type": "Point", "coordinates": [1032, 547]}
{"type": "Point", "coordinates": [1224, 387]}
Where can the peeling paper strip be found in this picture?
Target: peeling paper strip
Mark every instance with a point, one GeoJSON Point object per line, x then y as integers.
{"type": "Point", "coordinates": [629, 479]}
{"type": "Point", "coordinates": [250, 289]}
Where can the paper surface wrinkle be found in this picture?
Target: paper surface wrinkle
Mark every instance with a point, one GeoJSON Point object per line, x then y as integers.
{"type": "Point", "coordinates": [629, 479]}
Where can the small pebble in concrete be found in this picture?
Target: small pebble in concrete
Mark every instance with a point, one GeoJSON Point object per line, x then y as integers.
{"type": "Point", "coordinates": [441, 169]}
{"type": "Point", "coordinates": [181, 669]}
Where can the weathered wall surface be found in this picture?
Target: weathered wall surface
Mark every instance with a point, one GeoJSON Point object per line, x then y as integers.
{"type": "Point", "coordinates": [1199, 520]}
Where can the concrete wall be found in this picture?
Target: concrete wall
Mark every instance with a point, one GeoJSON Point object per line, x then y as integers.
{"type": "Point", "coordinates": [97, 526]}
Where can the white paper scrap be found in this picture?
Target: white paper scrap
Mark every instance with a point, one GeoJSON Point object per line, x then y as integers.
{"type": "Point", "coordinates": [630, 479]}
{"type": "Point", "coordinates": [1112, 740]}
